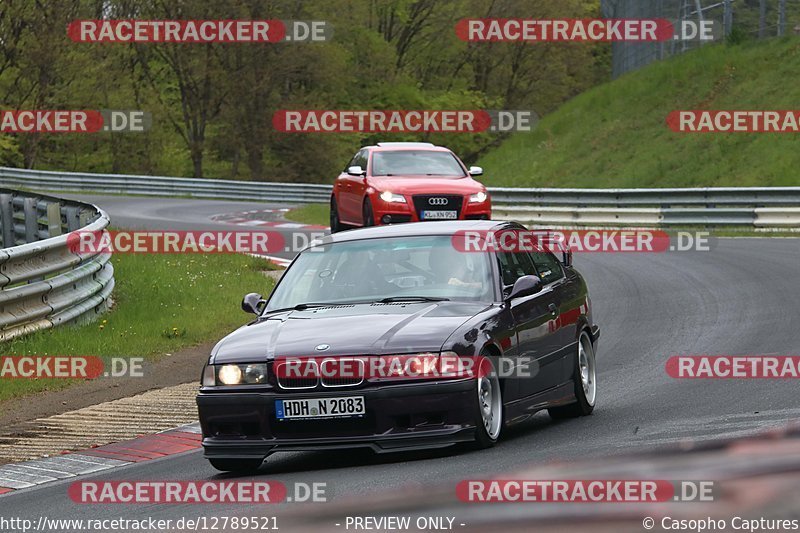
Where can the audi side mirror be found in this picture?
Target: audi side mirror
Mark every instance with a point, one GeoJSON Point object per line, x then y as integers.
{"type": "Point", "coordinates": [475, 171]}
{"type": "Point", "coordinates": [525, 286]}
{"type": "Point", "coordinates": [253, 303]}
{"type": "Point", "coordinates": [355, 171]}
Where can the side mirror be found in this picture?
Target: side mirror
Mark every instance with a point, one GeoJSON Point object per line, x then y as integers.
{"type": "Point", "coordinates": [355, 171]}
{"type": "Point", "coordinates": [475, 171]}
{"type": "Point", "coordinates": [253, 303]}
{"type": "Point", "coordinates": [525, 286]}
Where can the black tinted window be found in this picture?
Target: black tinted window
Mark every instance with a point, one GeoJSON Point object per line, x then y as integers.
{"type": "Point", "coordinates": [547, 266]}
{"type": "Point", "coordinates": [515, 265]}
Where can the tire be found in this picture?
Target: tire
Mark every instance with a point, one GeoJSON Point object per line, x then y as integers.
{"type": "Point", "coordinates": [336, 226]}
{"type": "Point", "coordinates": [236, 465]}
{"type": "Point", "coordinates": [368, 216]}
{"type": "Point", "coordinates": [487, 431]}
{"type": "Point", "coordinates": [584, 379]}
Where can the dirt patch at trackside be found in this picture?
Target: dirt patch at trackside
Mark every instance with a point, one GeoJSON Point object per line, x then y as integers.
{"type": "Point", "coordinates": [183, 366]}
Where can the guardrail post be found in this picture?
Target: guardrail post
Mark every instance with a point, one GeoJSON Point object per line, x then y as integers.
{"type": "Point", "coordinates": [84, 217]}
{"type": "Point", "coordinates": [7, 219]}
{"type": "Point", "coordinates": [31, 219]}
{"type": "Point", "coordinates": [73, 217]}
{"type": "Point", "coordinates": [30, 208]}
{"type": "Point", "coordinates": [54, 219]}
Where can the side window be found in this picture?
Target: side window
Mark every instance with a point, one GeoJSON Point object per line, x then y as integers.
{"type": "Point", "coordinates": [548, 266]}
{"type": "Point", "coordinates": [355, 161]}
{"type": "Point", "coordinates": [361, 159]}
{"type": "Point", "coordinates": [351, 162]}
{"type": "Point", "coordinates": [515, 265]}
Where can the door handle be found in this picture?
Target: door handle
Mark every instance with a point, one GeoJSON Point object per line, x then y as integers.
{"type": "Point", "coordinates": [553, 309]}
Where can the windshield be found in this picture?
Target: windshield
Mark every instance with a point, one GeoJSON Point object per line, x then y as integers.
{"type": "Point", "coordinates": [375, 269]}
{"type": "Point", "coordinates": [415, 162]}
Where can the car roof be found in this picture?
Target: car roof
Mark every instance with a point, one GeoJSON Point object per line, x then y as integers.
{"type": "Point", "coordinates": [395, 146]}
{"type": "Point", "coordinates": [418, 229]}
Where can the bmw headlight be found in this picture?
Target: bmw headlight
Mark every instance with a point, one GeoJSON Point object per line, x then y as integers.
{"type": "Point", "coordinates": [390, 197]}
{"type": "Point", "coordinates": [478, 198]}
{"type": "Point", "coordinates": [243, 374]}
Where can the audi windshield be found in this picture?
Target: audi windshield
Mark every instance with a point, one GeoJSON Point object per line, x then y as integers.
{"type": "Point", "coordinates": [416, 163]}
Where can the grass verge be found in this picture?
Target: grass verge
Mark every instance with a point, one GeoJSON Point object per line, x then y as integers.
{"type": "Point", "coordinates": [316, 214]}
{"type": "Point", "coordinates": [162, 303]}
{"type": "Point", "coordinates": [615, 135]}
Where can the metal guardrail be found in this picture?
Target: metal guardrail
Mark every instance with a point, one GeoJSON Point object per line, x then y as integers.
{"type": "Point", "coordinates": [745, 207]}
{"type": "Point", "coordinates": [164, 186]}
{"type": "Point", "coordinates": [43, 283]}
{"type": "Point", "coordinates": [750, 207]}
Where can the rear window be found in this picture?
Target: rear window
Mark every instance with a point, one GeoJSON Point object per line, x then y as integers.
{"type": "Point", "coordinates": [415, 162]}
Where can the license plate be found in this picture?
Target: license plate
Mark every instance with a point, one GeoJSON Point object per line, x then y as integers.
{"type": "Point", "coordinates": [439, 215]}
{"type": "Point", "coordinates": [319, 408]}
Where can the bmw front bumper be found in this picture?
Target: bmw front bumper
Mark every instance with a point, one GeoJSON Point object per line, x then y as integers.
{"type": "Point", "coordinates": [398, 417]}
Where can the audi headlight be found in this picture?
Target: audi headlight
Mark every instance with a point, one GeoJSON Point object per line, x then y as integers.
{"type": "Point", "coordinates": [390, 197]}
{"type": "Point", "coordinates": [244, 374]}
{"type": "Point", "coordinates": [478, 198]}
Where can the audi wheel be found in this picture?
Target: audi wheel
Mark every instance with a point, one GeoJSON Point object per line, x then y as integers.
{"type": "Point", "coordinates": [367, 215]}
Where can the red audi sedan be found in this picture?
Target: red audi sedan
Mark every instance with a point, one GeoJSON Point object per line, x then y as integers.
{"type": "Point", "coordinates": [406, 182]}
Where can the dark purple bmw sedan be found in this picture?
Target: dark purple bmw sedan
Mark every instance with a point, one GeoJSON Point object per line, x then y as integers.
{"type": "Point", "coordinates": [400, 292]}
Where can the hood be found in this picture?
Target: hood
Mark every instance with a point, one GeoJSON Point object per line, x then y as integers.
{"type": "Point", "coordinates": [427, 185]}
{"type": "Point", "coordinates": [362, 329]}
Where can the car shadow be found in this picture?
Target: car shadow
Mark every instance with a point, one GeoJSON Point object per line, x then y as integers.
{"type": "Point", "coordinates": [299, 462]}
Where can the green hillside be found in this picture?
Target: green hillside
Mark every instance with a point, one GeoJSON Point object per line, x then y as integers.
{"type": "Point", "coordinates": [615, 135]}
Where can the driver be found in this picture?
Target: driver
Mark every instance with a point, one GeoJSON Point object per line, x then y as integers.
{"type": "Point", "coordinates": [449, 266]}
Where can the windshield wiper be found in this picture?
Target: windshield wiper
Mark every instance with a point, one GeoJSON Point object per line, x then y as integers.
{"type": "Point", "coordinates": [301, 307]}
{"type": "Point", "coordinates": [393, 299]}
{"type": "Point", "coordinates": [315, 305]}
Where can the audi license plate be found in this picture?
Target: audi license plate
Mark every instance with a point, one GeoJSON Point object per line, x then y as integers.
{"type": "Point", "coordinates": [319, 408]}
{"type": "Point", "coordinates": [439, 215]}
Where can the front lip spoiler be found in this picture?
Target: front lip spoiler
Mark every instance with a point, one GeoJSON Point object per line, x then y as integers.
{"type": "Point", "coordinates": [442, 436]}
{"type": "Point", "coordinates": [427, 440]}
